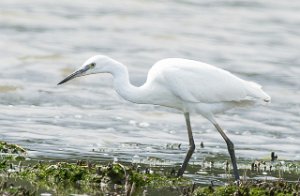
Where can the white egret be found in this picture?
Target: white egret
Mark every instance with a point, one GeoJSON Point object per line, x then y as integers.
{"type": "Point", "coordinates": [187, 85]}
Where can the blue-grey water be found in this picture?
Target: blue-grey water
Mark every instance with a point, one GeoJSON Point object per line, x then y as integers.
{"type": "Point", "coordinates": [43, 41]}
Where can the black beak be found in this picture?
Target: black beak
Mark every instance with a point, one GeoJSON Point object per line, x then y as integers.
{"type": "Point", "coordinates": [73, 75]}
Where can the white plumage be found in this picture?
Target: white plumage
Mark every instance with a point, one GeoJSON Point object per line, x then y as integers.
{"type": "Point", "coordinates": [187, 85]}
{"type": "Point", "coordinates": [197, 82]}
{"type": "Point", "coordinates": [192, 86]}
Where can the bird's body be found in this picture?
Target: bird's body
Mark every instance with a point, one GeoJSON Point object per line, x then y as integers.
{"type": "Point", "coordinates": [187, 85]}
{"type": "Point", "coordinates": [191, 86]}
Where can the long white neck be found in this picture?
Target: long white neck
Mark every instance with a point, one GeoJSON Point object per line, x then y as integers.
{"type": "Point", "coordinates": [125, 89]}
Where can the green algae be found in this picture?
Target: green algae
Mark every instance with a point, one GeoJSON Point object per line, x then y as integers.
{"type": "Point", "coordinates": [21, 176]}
{"type": "Point", "coordinates": [253, 188]}
{"type": "Point", "coordinates": [90, 173]}
{"type": "Point", "coordinates": [11, 148]}
{"type": "Point", "coordinates": [90, 177]}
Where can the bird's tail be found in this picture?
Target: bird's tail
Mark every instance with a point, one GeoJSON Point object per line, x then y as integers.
{"type": "Point", "coordinates": [255, 91]}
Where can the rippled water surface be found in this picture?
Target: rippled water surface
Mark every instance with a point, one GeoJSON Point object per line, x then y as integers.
{"type": "Point", "coordinates": [41, 42]}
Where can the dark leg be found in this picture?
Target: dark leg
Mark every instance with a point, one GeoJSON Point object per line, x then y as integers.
{"type": "Point", "coordinates": [192, 145]}
{"type": "Point", "coordinates": [230, 147]}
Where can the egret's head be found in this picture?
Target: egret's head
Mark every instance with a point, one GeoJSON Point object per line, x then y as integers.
{"type": "Point", "coordinates": [94, 65]}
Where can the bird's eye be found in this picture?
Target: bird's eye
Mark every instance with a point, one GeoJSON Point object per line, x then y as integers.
{"type": "Point", "coordinates": [92, 65]}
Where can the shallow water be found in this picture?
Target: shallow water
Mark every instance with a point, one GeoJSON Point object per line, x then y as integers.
{"type": "Point", "coordinates": [41, 42]}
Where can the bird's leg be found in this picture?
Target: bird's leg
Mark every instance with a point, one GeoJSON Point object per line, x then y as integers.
{"type": "Point", "coordinates": [191, 143]}
{"type": "Point", "coordinates": [230, 147]}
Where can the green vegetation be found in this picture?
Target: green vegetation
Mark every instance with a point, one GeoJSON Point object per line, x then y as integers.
{"type": "Point", "coordinates": [26, 177]}
{"type": "Point", "coordinates": [253, 188]}
{"type": "Point", "coordinates": [22, 176]}
{"type": "Point", "coordinates": [11, 148]}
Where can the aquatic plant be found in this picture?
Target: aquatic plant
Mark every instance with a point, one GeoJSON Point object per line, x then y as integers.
{"type": "Point", "coordinates": [253, 188]}
{"type": "Point", "coordinates": [11, 148]}
{"type": "Point", "coordinates": [20, 176]}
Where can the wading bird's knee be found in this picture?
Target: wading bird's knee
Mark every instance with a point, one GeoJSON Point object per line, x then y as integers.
{"type": "Point", "coordinates": [230, 145]}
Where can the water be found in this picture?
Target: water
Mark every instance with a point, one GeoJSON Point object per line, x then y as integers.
{"type": "Point", "coordinates": [42, 42]}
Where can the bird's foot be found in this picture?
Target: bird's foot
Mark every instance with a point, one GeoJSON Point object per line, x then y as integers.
{"type": "Point", "coordinates": [237, 182]}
